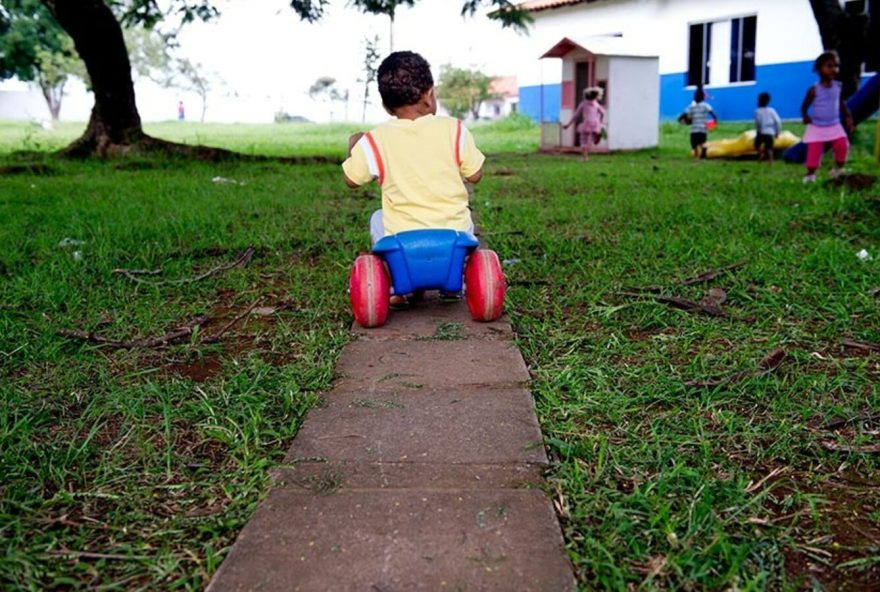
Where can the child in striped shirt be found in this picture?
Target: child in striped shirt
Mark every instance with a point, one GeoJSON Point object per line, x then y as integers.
{"type": "Point", "coordinates": [697, 115]}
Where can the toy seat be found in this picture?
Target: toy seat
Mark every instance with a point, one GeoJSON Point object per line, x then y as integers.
{"type": "Point", "coordinates": [426, 259]}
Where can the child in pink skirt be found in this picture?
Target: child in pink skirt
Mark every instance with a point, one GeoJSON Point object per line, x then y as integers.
{"type": "Point", "coordinates": [823, 125]}
{"type": "Point", "coordinates": [592, 116]}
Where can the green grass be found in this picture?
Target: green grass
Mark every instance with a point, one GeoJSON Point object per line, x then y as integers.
{"type": "Point", "coordinates": [154, 459]}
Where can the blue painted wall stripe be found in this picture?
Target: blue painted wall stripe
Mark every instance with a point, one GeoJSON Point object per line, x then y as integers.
{"type": "Point", "coordinates": [786, 83]}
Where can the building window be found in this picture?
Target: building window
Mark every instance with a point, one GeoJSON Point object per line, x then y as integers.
{"type": "Point", "coordinates": [722, 52]}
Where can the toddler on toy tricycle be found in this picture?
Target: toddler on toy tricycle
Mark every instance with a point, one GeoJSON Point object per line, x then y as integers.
{"type": "Point", "coordinates": [419, 160]}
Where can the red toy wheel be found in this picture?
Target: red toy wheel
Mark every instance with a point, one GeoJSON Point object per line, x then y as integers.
{"type": "Point", "coordinates": [368, 288]}
{"type": "Point", "coordinates": [485, 285]}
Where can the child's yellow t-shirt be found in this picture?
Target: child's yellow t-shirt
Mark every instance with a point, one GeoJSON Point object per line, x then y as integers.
{"type": "Point", "coordinates": [419, 164]}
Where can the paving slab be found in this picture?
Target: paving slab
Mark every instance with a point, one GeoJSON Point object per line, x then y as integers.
{"type": "Point", "coordinates": [324, 476]}
{"type": "Point", "coordinates": [434, 319]}
{"type": "Point", "coordinates": [440, 364]}
{"type": "Point", "coordinates": [392, 541]}
{"type": "Point", "coordinates": [456, 425]}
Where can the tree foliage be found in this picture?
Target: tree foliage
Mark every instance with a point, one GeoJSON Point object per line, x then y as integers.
{"type": "Point", "coordinates": [96, 29]}
{"type": "Point", "coordinates": [34, 48]}
{"type": "Point", "coordinates": [461, 91]}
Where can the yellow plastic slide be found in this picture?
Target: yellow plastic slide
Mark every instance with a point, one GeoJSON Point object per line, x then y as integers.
{"type": "Point", "coordinates": [744, 145]}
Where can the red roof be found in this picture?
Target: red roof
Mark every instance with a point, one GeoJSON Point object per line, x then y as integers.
{"type": "Point", "coordinates": [539, 5]}
{"type": "Point", "coordinates": [505, 86]}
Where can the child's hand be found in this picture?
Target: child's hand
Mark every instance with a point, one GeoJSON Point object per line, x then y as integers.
{"type": "Point", "coordinates": [808, 119]}
{"type": "Point", "coordinates": [354, 139]}
{"type": "Point", "coordinates": [849, 124]}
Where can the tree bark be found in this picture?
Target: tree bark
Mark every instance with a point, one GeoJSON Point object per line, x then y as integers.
{"type": "Point", "coordinates": [97, 36]}
{"type": "Point", "coordinates": [846, 34]}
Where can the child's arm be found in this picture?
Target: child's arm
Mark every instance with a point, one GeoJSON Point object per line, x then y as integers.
{"type": "Point", "coordinates": [712, 113]}
{"type": "Point", "coordinates": [475, 178]}
{"type": "Point", "coordinates": [808, 100]}
{"type": "Point", "coordinates": [574, 115]}
{"type": "Point", "coordinates": [355, 171]}
{"type": "Point", "coordinates": [352, 142]}
{"type": "Point", "coordinates": [470, 157]}
{"type": "Point", "coordinates": [353, 139]}
{"type": "Point", "coordinates": [777, 122]}
{"type": "Point", "coordinates": [847, 116]}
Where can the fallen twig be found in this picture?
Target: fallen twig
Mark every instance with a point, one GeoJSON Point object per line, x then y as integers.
{"type": "Point", "coordinates": [847, 448]}
{"type": "Point", "coordinates": [528, 283]}
{"type": "Point", "coordinates": [242, 260]}
{"type": "Point", "coordinates": [216, 337]}
{"type": "Point", "coordinates": [680, 303]}
{"type": "Point", "coordinates": [90, 555]}
{"type": "Point", "coordinates": [711, 274]}
{"type": "Point", "coordinates": [138, 271]}
{"type": "Point", "coordinates": [861, 345]}
{"type": "Point", "coordinates": [184, 331]}
{"type": "Point", "coordinates": [768, 364]}
{"type": "Point", "coordinates": [752, 487]}
{"type": "Point", "coordinates": [843, 422]}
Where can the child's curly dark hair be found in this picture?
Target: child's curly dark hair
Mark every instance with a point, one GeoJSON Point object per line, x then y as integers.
{"type": "Point", "coordinates": [824, 57]}
{"type": "Point", "coordinates": [403, 77]}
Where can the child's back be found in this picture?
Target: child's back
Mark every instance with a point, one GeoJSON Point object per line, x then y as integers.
{"type": "Point", "coordinates": [419, 164]}
{"type": "Point", "coordinates": [418, 159]}
{"type": "Point", "coordinates": [699, 114]}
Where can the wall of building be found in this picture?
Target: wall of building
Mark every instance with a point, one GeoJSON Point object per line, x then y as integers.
{"type": "Point", "coordinates": [632, 104]}
{"type": "Point", "coordinates": [787, 41]}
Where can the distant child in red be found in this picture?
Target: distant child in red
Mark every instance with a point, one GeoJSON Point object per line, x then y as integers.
{"type": "Point", "coordinates": [592, 116]}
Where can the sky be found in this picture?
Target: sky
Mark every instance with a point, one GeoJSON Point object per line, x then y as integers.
{"type": "Point", "coordinates": [268, 58]}
{"type": "Point", "coordinates": [262, 58]}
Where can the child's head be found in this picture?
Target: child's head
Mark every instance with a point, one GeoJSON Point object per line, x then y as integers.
{"type": "Point", "coordinates": [591, 94]}
{"type": "Point", "coordinates": [763, 99]}
{"type": "Point", "coordinates": [827, 64]}
{"type": "Point", "coordinates": [405, 79]}
{"type": "Point", "coordinates": [699, 95]}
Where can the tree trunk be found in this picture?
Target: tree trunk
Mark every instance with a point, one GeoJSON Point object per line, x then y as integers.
{"type": "Point", "coordinates": [53, 96]}
{"type": "Point", "coordinates": [847, 34]}
{"type": "Point", "coordinates": [97, 36]}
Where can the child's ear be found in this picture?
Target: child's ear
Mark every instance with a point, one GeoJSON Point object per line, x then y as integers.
{"type": "Point", "coordinates": [429, 100]}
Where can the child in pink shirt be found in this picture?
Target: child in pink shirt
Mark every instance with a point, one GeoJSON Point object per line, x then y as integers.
{"type": "Point", "coordinates": [592, 116]}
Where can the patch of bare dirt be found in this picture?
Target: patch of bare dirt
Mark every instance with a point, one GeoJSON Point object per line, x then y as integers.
{"type": "Point", "coordinates": [854, 181]}
{"type": "Point", "coordinates": [197, 371]}
{"type": "Point", "coordinates": [834, 544]}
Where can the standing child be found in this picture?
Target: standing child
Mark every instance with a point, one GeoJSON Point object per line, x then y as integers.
{"type": "Point", "coordinates": [592, 116]}
{"type": "Point", "coordinates": [417, 158]}
{"type": "Point", "coordinates": [823, 125]}
{"type": "Point", "coordinates": [767, 127]}
{"type": "Point", "coordinates": [697, 115]}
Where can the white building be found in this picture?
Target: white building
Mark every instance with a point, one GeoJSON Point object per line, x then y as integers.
{"type": "Point", "coordinates": [627, 77]}
{"type": "Point", "coordinates": [505, 98]}
{"type": "Point", "coordinates": [736, 48]}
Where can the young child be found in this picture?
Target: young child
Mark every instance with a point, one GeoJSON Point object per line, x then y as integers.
{"type": "Point", "coordinates": [697, 114]}
{"type": "Point", "coordinates": [823, 125]}
{"type": "Point", "coordinates": [767, 127]}
{"type": "Point", "coordinates": [418, 159]}
{"type": "Point", "coordinates": [592, 116]}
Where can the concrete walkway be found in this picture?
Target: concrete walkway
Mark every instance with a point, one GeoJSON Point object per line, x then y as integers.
{"type": "Point", "coordinates": [420, 471]}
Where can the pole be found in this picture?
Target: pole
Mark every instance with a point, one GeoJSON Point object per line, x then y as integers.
{"type": "Point", "coordinates": [877, 141]}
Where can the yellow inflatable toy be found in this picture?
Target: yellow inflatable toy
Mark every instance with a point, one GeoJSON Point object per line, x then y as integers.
{"type": "Point", "coordinates": [744, 145]}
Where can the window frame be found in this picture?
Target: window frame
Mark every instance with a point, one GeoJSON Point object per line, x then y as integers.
{"type": "Point", "coordinates": [729, 18]}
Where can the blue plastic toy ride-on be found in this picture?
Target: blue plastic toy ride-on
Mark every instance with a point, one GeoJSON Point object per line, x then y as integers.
{"type": "Point", "coordinates": [435, 259]}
